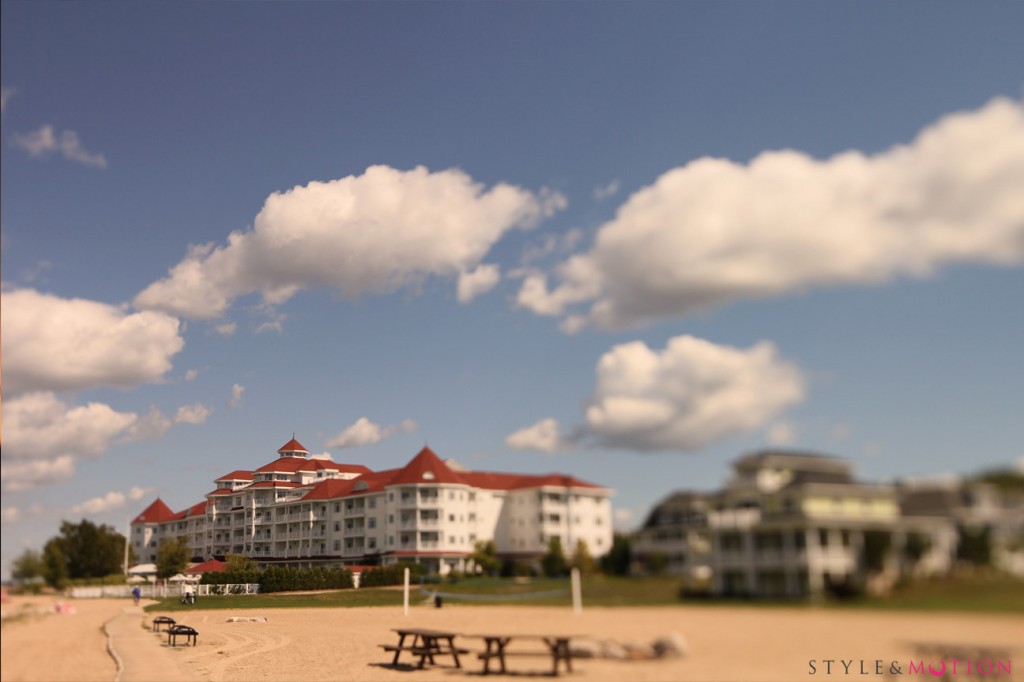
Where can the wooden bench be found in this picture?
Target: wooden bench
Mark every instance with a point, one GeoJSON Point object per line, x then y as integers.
{"type": "Point", "coordinates": [162, 620]}
{"type": "Point", "coordinates": [189, 633]}
{"type": "Point", "coordinates": [496, 645]}
{"type": "Point", "coordinates": [427, 644]}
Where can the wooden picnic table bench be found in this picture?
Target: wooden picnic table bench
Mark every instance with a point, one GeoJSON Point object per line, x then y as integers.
{"type": "Point", "coordinates": [426, 644]}
{"type": "Point", "coordinates": [189, 633]}
{"type": "Point", "coordinates": [496, 649]}
{"type": "Point", "coordinates": [162, 620]}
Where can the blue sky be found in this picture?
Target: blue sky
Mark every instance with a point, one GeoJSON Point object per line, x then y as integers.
{"type": "Point", "coordinates": [627, 241]}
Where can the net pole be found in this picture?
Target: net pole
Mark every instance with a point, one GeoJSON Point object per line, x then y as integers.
{"type": "Point", "coordinates": [577, 595]}
{"type": "Point", "coordinates": [405, 600]}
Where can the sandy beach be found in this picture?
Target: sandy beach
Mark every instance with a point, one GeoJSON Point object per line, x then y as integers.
{"type": "Point", "coordinates": [724, 643]}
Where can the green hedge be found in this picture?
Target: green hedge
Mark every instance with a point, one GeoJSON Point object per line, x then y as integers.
{"type": "Point", "coordinates": [285, 579]}
{"type": "Point", "coordinates": [391, 575]}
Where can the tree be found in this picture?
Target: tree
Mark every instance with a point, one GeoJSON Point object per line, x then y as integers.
{"type": "Point", "coordinates": [83, 550]}
{"type": "Point", "coordinates": [238, 563]}
{"type": "Point", "coordinates": [975, 545]}
{"type": "Point", "coordinates": [656, 563]}
{"type": "Point", "coordinates": [915, 547]}
{"type": "Point", "coordinates": [554, 564]}
{"type": "Point", "coordinates": [876, 548]}
{"type": "Point", "coordinates": [55, 570]}
{"type": "Point", "coordinates": [171, 557]}
{"type": "Point", "coordinates": [28, 567]}
{"type": "Point", "coordinates": [618, 558]}
{"type": "Point", "coordinates": [485, 557]}
{"type": "Point", "coordinates": [582, 560]}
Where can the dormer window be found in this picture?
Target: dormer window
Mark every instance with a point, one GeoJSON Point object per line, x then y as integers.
{"type": "Point", "coordinates": [428, 475]}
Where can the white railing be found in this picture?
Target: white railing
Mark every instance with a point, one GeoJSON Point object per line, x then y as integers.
{"type": "Point", "coordinates": [235, 588]}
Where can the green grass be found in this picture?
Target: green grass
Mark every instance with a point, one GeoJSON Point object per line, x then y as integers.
{"type": "Point", "coordinates": [285, 600]}
{"type": "Point", "coordinates": [987, 594]}
{"type": "Point", "coordinates": [990, 594]}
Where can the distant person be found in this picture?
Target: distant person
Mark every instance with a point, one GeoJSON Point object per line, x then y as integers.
{"type": "Point", "coordinates": [136, 595]}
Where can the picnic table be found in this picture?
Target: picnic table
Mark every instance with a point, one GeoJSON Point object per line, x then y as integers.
{"type": "Point", "coordinates": [496, 645]}
{"type": "Point", "coordinates": [426, 644]}
{"type": "Point", "coordinates": [189, 633]}
{"type": "Point", "coordinates": [162, 620]}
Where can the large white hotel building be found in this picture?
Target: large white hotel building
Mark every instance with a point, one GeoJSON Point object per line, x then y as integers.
{"type": "Point", "coordinates": [304, 511]}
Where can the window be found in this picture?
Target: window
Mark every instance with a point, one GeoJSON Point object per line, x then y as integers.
{"type": "Point", "coordinates": [372, 522]}
{"type": "Point", "coordinates": [451, 518]}
{"type": "Point", "coordinates": [371, 543]}
{"type": "Point", "coordinates": [472, 517]}
{"type": "Point", "coordinates": [337, 526]}
{"type": "Point", "coordinates": [373, 503]}
{"type": "Point", "coordinates": [337, 506]}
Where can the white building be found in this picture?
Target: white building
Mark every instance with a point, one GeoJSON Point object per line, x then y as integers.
{"type": "Point", "coordinates": [305, 511]}
{"type": "Point", "coordinates": [787, 524]}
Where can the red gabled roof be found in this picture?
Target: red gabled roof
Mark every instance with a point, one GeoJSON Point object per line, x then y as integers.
{"type": "Point", "coordinates": [293, 446]}
{"type": "Point", "coordinates": [426, 462]}
{"type": "Point", "coordinates": [155, 513]}
{"type": "Point", "coordinates": [238, 475]}
{"type": "Point", "coordinates": [331, 488]}
{"type": "Point", "coordinates": [193, 511]}
{"type": "Point", "coordinates": [211, 566]}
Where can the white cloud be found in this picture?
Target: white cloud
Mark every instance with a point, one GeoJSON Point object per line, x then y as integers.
{"type": "Point", "coordinates": [684, 397]}
{"type": "Point", "coordinates": [96, 505]}
{"type": "Point", "coordinates": [372, 233]}
{"type": "Point", "coordinates": [25, 475]}
{"type": "Point", "coordinates": [39, 425]}
{"type": "Point", "coordinates": [781, 433]}
{"type": "Point", "coordinates": [10, 514]}
{"type": "Point", "coordinates": [44, 436]}
{"type": "Point", "coordinates": [226, 329]}
{"type": "Point", "coordinates": [191, 374]}
{"type": "Point", "coordinates": [192, 414]}
{"type": "Point", "coordinates": [479, 281]}
{"type": "Point", "coordinates": [112, 500]}
{"type": "Point", "coordinates": [57, 344]}
{"type": "Point", "coordinates": [45, 141]}
{"type": "Point", "coordinates": [602, 193]}
{"type": "Point", "coordinates": [137, 493]}
{"type": "Point", "coordinates": [544, 436]}
{"type": "Point", "coordinates": [714, 231]}
{"type": "Point", "coordinates": [236, 395]}
{"type": "Point", "coordinates": [5, 96]}
{"type": "Point", "coordinates": [365, 432]}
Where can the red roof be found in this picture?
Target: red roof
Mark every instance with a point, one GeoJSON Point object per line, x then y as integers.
{"type": "Point", "coordinates": [293, 446]}
{"type": "Point", "coordinates": [238, 475]}
{"type": "Point", "coordinates": [211, 566]}
{"type": "Point", "coordinates": [194, 510]}
{"type": "Point", "coordinates": [331, 488]}
{"type": "Point", "coordinates": [157, 512]}
{"type": "Point", "coordinates": [425, 467]}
